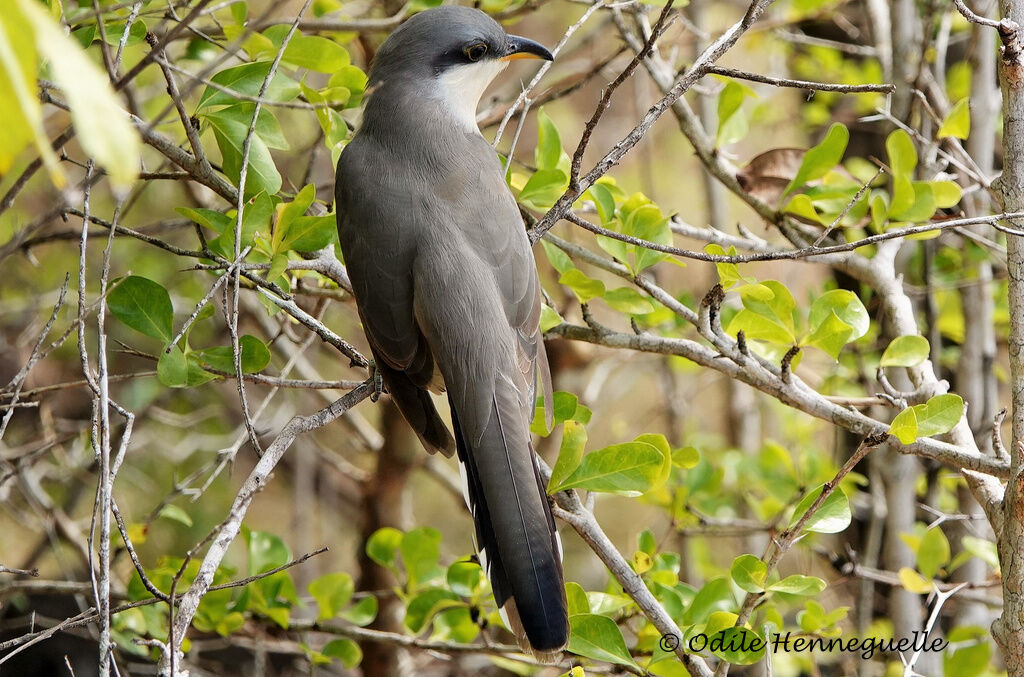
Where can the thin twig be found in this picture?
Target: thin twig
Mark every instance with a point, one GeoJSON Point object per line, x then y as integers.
{"type": "Point", "coordinates": [883, 88]}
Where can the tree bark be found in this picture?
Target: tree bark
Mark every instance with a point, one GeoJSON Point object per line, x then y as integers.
{"type": "Point", "coordinates": [1009, 628]}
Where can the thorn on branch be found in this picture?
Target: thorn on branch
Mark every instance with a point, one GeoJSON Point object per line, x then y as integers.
{"type": "Point", "coordinates": [997, 436]}
{"type": "Point", "coordinates": [741, 343]}
{"type": "Point", "coordinates": [713, 302]}
{"type": "Point", "coordinates": [787, 361]}
{"type": "Point", "coordinates": [588, 317]}
{"type": "Point", "coordinates": [876, 439]}
{"type": "Point", "coordinates": [34, 573]}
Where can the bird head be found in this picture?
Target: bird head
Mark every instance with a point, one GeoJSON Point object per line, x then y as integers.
{"type": "Point", "coordinates": [450, 54]}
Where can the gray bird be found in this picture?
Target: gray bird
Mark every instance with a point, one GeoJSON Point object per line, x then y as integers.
{"type": "Point", "coordinates": [447, 290]}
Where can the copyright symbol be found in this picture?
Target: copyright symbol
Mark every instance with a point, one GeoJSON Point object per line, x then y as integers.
{"type": "Point", "coordinates": [668, 642]}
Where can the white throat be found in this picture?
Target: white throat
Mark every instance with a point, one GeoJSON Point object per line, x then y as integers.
{"type": "Point", "coordinates": [461, 87]}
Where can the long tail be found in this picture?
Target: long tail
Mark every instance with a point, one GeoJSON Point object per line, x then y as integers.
{"type": "Point", "coordinates": [516, 537]}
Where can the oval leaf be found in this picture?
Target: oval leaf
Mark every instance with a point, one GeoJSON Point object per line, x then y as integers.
{"type": "Point", "coordinates": [832, 517]}
{"type": "Point", "coordinates": [143, 305]}
{"type": "Point", "coordinates": [749, 573]}
{"type": "Point", "coordinates": [905, 351]}
{"type": "Point", "coordinates": [629, 469]}
{"type": "Point", "coordinates": [599, 638]}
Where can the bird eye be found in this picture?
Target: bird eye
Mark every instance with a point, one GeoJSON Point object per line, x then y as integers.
{"type": "Point", "coordinates": [476, 51]}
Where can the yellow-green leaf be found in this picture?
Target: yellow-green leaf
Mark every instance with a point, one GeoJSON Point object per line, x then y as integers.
{"type": "Point", "coordinates": [958, 122]}
{"type": "Point", "coordinates": [914, 582]}
{"type": "Point", "coordinates": [904, 426]}
{"type": "Point", "coordinates": [104, 130]}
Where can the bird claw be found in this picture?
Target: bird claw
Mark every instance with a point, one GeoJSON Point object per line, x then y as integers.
{"type": "Point", "coordinates": [378, 382]}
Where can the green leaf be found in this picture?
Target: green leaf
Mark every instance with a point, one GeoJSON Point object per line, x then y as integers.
{"type": "Point", "coordinates": [965, 658]}
{"type": "Point", "coordinates": [732, 123]}
{"type": "Point", "coordinates": [830, 335]}
{"type": "Point", "coordinates": [312, 51]}
{"type": "Point", "coordinates": [836, 318]}
{"type": "Point", "coordinates": [846, 306]}
{"type": "Point", "coordinates": [424, 606]}
{"type": "Point", "coordinates": [143, 305]}
{"type": "Point", "coordinates": [833, 516]}
{"type": "Point", "coordinates": [230, 127]}
{"type": "Point", "coordinates": [903, 196]}
{"type": "Point", "coordinates": [716, 595]}
{"type": "Point", "coordinates": [647, 223]}
{"type": "Point", "coordinates": [362, 612]}
{"type": "Point", "coordinates": [255, 356]}
{"type": "Point", "coordinates": [576, 598]}
{"type": "Point", "coordinates": [939, 414]}
{"type": "Point", "coordinates": [585, 288]}
{"type": "Point", "coordinates": [686, 457]}
{"type": "Point", "coordinates": [879, 212]}
{"type": "Point", "coordinates": [421, 550]}
{"type": "Point", "coordinates": [287, 213]}
{"type": "Point", "coordinates": [574, 439]}
{"type": "Point", "coordinates": [278, 267]}
{"type": "Point", "coordinates": [628, 300]}
{"type": "Point", "coordinates": [749, 573]}
{"type": "Point", "coordinates": [382, 544]}
{"type": "Point", "coordinates": [767, 314]}
{"type": "Point", "coordinates": [798, 584]}
{"type": "Point", "coordinates": [20, 108]}
{"type": "Point", "coordinates": [645, 541]}
{"type": "Point", "coordinates": [920, 209]}
{"type": "Point", "coordinates": [728, 273]}
{"type": "Point", "coordinates": [345, 650]}
{"type": "Point", "coordinates": [933, 552]}
{"type": "Point", "coordinates": [902, 154]}
{"type": "Point", "coordinates": [232, 622]}
{"type": "Point", "coordinates": [101, 123]}
{"type": "Point", "coordinates": [549, 145]}
{"type": "Point", "coordinates": [946, 193]}
{"type": "Point", "coordinates": [958, 122]}
{"type": "Point", "coordinates": [177, 370]}
{"type": "Point", "coordinates": [544, 188]}
{"type": "Point", "coordinates": [905, 351]}
{"type": "Point", "coordinates": [311, 233]}
{"type": "Point", "coordinates": [983, 549]}
{"type": "Point", "coordinates": [266, 551]}
{"type": "Point", "coordinates": [821, 158]}
{"type": "Point", "coordinates": [456, 625]}
{"type": "Point", "coordinates": [604, 201]}
{"type": "Point", "coordinates": [598, 638]}
{"type": "Point", "coordinates": [354, 80]}
{"type": "Point", "coordinates": [914, 582]}
{"type": "Point", "coordinates": [802, 206]}
{"type": "Point", "coordinates": [175, 514]}
{"type": "Point", "coordinates": [465, 578]}
{"type": "Point", "coordinates": [214, 220]}
{"type": "Point", "coordinates": [904, 426]}
{"type": "Point", "coordinates": [247, 79]}
{"type": "Point", "coordinates": [549, 318]}
{"type": "Point", "coordinates": [332, 593]}
{"type": "Point", "coordinates": [629, 469]}
{"type": "Point", "coordinates": [566, 407]}
{"type": "Point", "coordinates": [559, 260]}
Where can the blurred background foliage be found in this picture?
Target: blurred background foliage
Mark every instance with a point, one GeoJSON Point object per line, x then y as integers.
{"type": "Point", "coordinates": [689, 472]}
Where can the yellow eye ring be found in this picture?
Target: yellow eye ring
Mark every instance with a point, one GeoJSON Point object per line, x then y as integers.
{"type": "Point", "coordinates": [476, 51]}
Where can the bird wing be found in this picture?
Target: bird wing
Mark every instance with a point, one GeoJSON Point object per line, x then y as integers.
{"type": "Point", "coordinates": [379, 255]}
{"type": "Point", "coordinates": [477, 301]}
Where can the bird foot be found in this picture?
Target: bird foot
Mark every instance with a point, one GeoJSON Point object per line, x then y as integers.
{"type": "Point", "coordinates": [378, 381]}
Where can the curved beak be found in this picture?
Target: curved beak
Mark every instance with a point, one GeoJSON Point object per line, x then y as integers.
{"type": "Point", "coordinates": [524, 48]}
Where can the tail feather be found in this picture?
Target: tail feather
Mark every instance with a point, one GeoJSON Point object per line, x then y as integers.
{"type": "Point", "coordinates": [515, 530]}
